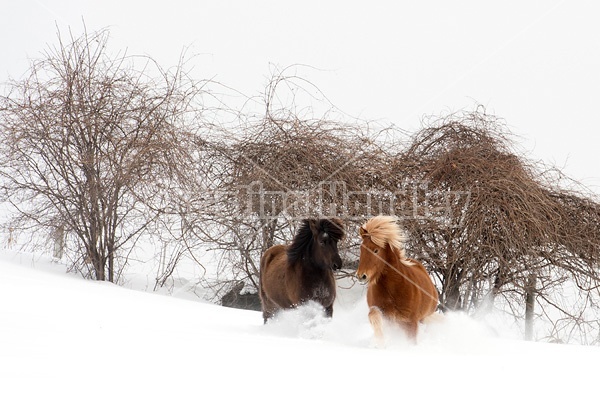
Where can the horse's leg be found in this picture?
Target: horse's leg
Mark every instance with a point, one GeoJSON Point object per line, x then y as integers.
{"type": "Point", "coordinates": [267, 315]}
{"type": "Point", "coordinates": [268, 308]}
{"type": "Point", "coordinates": [376, 320]}
{"type": "Point", "coordinates": [411, 328]}
{"type": "Point", "coordinates": [329, 311]}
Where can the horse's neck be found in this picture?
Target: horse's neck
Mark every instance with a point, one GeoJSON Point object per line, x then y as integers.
{"type": "Point", "coordinates": [393, 267]}
{"type": "Point", "coordinates": [308, 269]}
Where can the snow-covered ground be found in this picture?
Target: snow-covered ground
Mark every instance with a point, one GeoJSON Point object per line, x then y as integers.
{"type": "Point", "coordinates": [68, 338]}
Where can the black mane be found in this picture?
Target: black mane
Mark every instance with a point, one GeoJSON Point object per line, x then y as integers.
{"type": "Point", "coordinates": [303, 239]}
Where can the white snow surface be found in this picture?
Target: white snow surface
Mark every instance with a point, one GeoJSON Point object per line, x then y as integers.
{"type": "Point", "coordinates": [69, 338]}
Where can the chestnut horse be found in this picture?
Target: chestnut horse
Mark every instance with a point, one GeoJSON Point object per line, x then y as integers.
{"type": "Point", "coordinates": [302, 271]}
{"type": "Point", "coordinates": [399, 288]}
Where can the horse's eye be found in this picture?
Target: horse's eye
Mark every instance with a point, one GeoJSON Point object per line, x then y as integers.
{"type": "Point", "coordinates": [376, 251]}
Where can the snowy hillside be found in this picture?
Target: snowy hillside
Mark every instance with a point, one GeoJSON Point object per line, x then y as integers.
{"type": "Point", "coordinates": [64, 337]}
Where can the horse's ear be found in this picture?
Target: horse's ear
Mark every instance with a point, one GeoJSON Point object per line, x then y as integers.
{"type": "Point", "coordinates": [338, 228]}
{"type": "Point", "coordinates": [362, 232]}
{"type": "Point", "coordinates": [314, 226]}
{"type": "Point", "coordinates": [337, 222]}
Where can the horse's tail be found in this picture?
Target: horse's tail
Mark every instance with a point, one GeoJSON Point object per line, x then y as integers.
{"type": "Point", "coordinates": [264, 260]}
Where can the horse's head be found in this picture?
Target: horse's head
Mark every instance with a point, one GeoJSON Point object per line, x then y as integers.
{"type": "Point", "coordinates": [316, 240]}
{"type": "Point", "coordinates": [382, 238]}
{"type": "Point", "coordinates": [372, 259]}
{"type": "Point", "coordinates": [326, 233]}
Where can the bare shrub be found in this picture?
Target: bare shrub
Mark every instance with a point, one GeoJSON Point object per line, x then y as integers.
{"type": "Point", "coordinates": [93, 149]}
{"type": "Point", "coordinates": [503, 219]}
{"type": "Point", "coordinates": [279, 168]}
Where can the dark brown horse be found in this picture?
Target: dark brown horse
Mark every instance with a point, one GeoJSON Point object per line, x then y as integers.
{"type": "Point", "coordinates": [302, 271]}
{"type": "Point", "coordinates": [399, 288]}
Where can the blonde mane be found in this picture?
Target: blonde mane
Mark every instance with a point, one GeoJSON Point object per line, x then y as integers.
{"type": "Point", "coordinates": [385, 229]}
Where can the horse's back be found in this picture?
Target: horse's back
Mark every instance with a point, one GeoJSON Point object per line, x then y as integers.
{"type": "Point", "coordinates": [276, 253]}
{"type": "Point", "coordinates": [272, 264]}
{"type": "Point", "coordinates": [426, 289]}
{"type": "Point", "coordinates": [406, 294]}
{"type": "Point", "coordinates": [272, 277]}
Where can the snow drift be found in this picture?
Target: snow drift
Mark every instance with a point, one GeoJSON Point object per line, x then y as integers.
{"type": "Point", "coordinates": [64, 337]}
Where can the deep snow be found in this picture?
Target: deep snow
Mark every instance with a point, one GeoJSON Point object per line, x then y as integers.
{"type": "Point", "coordinates": [65, 337]}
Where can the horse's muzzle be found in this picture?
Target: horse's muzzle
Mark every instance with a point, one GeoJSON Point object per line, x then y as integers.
{"type": "Point", "coordinates": [362, 278]}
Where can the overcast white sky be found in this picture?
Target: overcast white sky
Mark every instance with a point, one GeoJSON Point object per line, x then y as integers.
{"type": "Point", "coordinates": [534, 63]}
